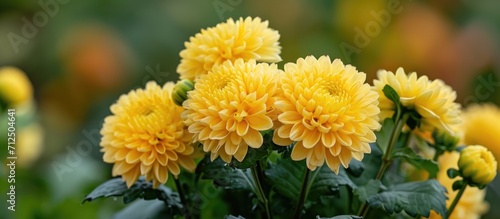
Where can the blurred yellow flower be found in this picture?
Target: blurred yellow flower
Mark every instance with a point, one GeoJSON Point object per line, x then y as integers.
{"type": "Point", "coordinates": [29, 144]}
{"type": "Point", "coordinates": [230, 105]}
{"type": "Point", "coordinates": [15, 86]}
{"type": "Point", "coordinates": [146, 136]}
{"type": "Point", "coordinates": [480, 126]}
{"type": "Point", "coordinates": [478, 164]}
{"type": "Point", "coordinates": [328, 109]}
{"type": "Point", "coordinates": [433, 100]}
{"type": "Point", "coordinates": [471, 205]}
{"type": "Point", "coordinates": [246, 38]}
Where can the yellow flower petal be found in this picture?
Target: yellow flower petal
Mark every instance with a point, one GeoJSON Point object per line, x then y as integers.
{"type": "Point", "coordinates": [260, 122]}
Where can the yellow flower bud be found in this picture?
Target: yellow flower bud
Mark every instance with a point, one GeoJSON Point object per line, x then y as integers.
{"type": "Point", "coordinates": [15, 87]}
{"type": "Point", "coordinates": [179, 95]}
{"type": "Point", "coordinates": [477, 164]}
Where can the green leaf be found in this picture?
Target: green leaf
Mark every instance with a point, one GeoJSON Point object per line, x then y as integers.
{"type": "Point", "coordinates": [327, 182]}
{"type": "Point", "coordinates": [140, 189]}
{"type": "Point", "coordinates": [286, 177]}
{"type": "Point", "coordinates": [452, 173]}
{"type": "Point", "coordinates": [371, 188]}
{"type": "Point", "coordinates": [223, 175]}
{"type": "Point", "coordinates": [384, 135]}
{"type": "Point", "coordinates": [391, 94]}
{"type": "Point", "coordinates": [415, 198]}
{"type": "Point", "coordinates": [416, 160]}
{"type": "Point", "coordinates": [112, 187]}
{"type": "Point", "coordinates": [457, 185]}
{"type": "Point", "coordinates": [341, 217]}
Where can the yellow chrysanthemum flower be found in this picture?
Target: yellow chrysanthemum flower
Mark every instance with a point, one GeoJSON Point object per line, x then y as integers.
{"type": "Point", "coordinates": [230, 105]}
{"type": "Point", "coordinates": [15, 86]}
{"type": "Point", "coordinates": [471, 205]}
{"type": "Point", "coordinates": [146, 136]}
{"type": "Point", "coordinates": [246, 39]}
{"type": "Point", "coordinates": [480, 126]}
{"type": "Point", "coordinates": [328, 109]}
{"type": "Point", "coordinates": [433, 100]}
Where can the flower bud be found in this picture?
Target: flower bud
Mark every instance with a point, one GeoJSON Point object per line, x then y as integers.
{"type": "Point", "coordinates": [179, 94]}
{"type": "Point", "coordinates": [477, 164]}
{"type": "Point", "coordinates": [15, 87]}
{"type": "Point", "coordinates": [444, 140]}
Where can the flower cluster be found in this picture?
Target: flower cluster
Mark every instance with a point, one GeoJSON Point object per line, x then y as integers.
{"type": "Point", "coordinates": [232, 98]}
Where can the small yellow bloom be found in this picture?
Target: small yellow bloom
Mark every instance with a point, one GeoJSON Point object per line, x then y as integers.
{"type": "Point", "coordinates": [481, 127]}
{"type": "Point", "coordinates": [29, 145]}
{"type": "Point", "coordinates": [230, 105]}
{"type": "Point", "coordinates": [433, 100]}
{"type": "Point", "coordinates": [478, 164]}
{"type": "Point", "coordinates": [146, 136]}
{"type": "Point", "coordinates": [328, 109]}
{"type": "Point", "coordinates": [472, 204]}
{"type": "Point", "coordinates": [15, 86]}
{"type": "Point", "coordinates": [179, 95]}
{"type": "Point", "coordinates": [246, 38]}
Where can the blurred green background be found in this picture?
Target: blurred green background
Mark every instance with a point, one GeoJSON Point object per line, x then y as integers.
{"type": "Point", "coordinates": [81, 55]}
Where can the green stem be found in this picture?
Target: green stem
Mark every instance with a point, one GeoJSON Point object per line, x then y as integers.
{"type": "Point", "coordinates": [386, 159]}
{"type": "Point", "coordinates": [183, 199]}
{"type": "Point", "coordinates": [303, 194]}
{"type": "Point", "coordinates": [363, 210]}
{"type": "Point", "coordinates": [260, 192]}
{"type": "Point", "coordinates": [457, 198]}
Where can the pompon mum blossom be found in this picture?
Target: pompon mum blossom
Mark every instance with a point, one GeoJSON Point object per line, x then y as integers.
{"type": "Point", "coordinates": [146, 136]}
{"type": "Point", "coordinates": [433, 100]}
{"type": "Point", "coordinates": [328, 110]}
{"type": "Point", "coordinates": [245, 38]}
{"type": "Point", "coordinates": [230, 105]}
